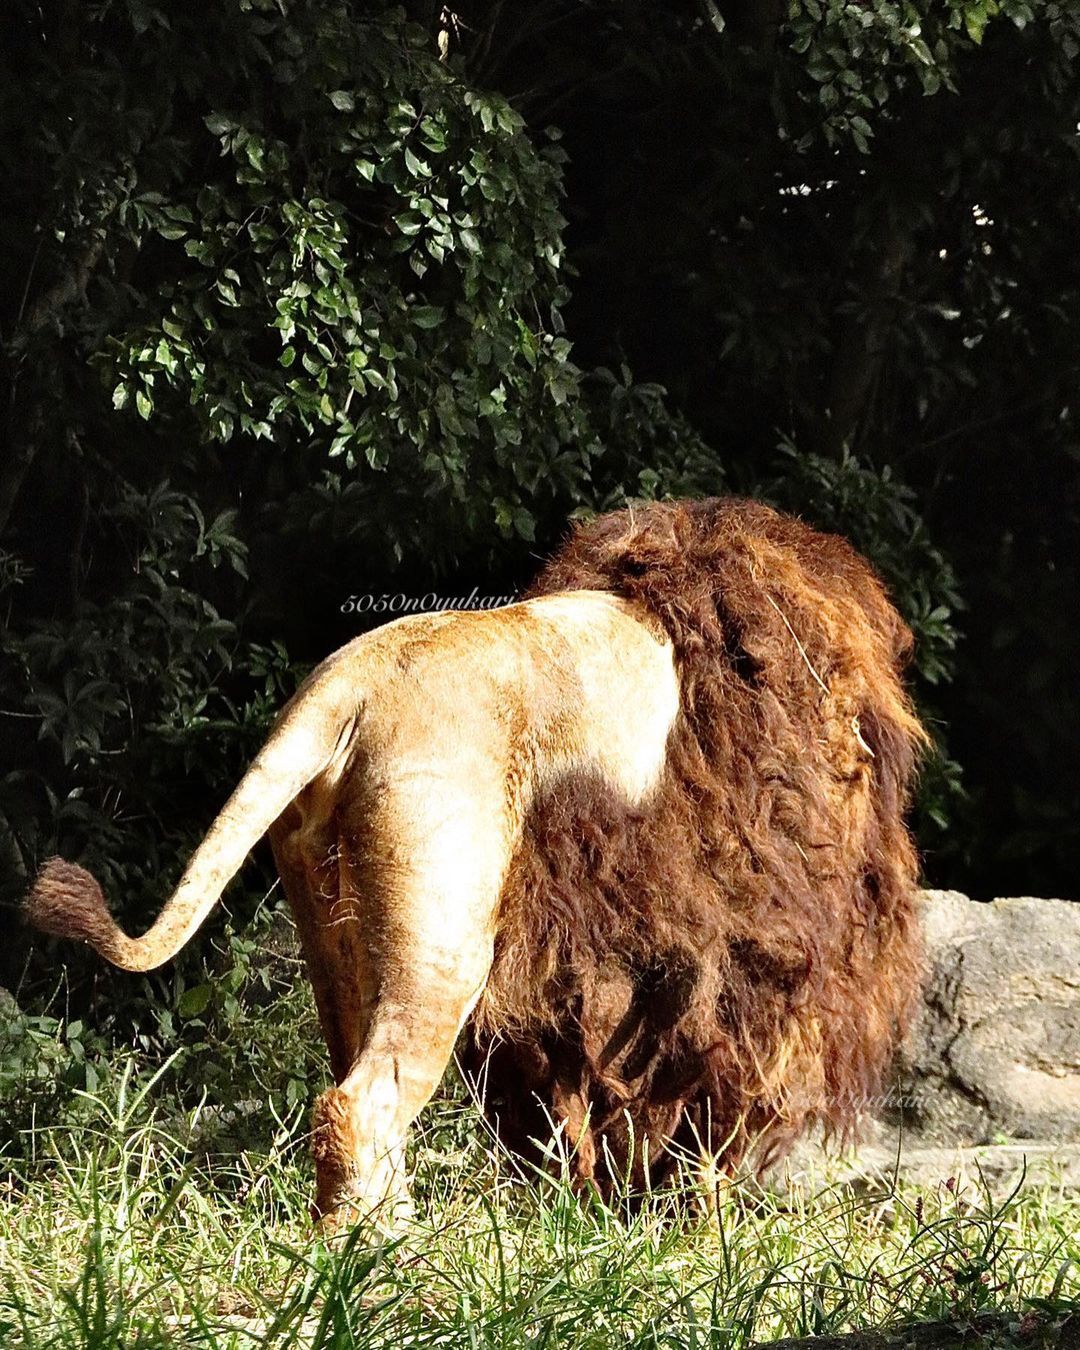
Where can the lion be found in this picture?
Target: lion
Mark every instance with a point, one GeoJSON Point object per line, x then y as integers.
{"type": "Point", "coordinates": [639, 835]}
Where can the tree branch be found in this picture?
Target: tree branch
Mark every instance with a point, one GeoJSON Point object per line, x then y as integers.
{"type": "Point", "coordinates": [865, 332]}
{"type": "Point", "coordinates": [71, 286]}
{"type": "Point", "coordinates": [23, 434]}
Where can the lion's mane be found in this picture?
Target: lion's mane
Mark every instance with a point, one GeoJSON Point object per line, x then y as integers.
{"type": "Point", "coordinates": [734, 959]}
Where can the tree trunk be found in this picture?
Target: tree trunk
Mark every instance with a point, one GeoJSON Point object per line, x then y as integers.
{"type": "Point", "coordinates": [23, 429]}
{"type": "Point", "coordinates": [864, 334]}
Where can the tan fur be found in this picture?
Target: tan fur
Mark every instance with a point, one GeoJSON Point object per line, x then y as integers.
{"type": "Point", "coordinates": [425, 744]}
{"type": "Point", "coordinates": [642, 831]}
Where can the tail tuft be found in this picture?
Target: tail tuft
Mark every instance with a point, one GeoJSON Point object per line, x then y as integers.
{"type": "Point", "coordinates": [67, 902]}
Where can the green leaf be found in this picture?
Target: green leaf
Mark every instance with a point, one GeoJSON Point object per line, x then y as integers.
{"type": "Point", "coordinates": [427, 316]}
{"type": "Point", "coordinates": [976, 17]}
{"type": "Point", "coordinates": [415, 166]}
{"type": "Point", "coordinates": [343, 100]}
{"type": "Point", "coordinates": [194, 1001]}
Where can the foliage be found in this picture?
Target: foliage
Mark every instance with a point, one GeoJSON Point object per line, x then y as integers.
{"type": "Point", "coordinates": [216, 1019]}
{"type": "Point", "coordinates": [826, 223]}
{"type": "Point", "coordinates": [371, 271]}
{"type": "Point", "coordinates": [290, 297]}
{"type": "Point", "coordinates": [859, 60]}
{"type": "Point", "coordinates": [131, 708]}
{"type": "Point", "coordinates": [43, 1061]}
{"type": "Point", "coordinates": [285, 314]}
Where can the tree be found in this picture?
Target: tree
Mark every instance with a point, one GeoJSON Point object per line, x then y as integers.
{"type": "Point", "coordinates": [283, 318]}
{"type": "Point", "coordinates": [849, 226]}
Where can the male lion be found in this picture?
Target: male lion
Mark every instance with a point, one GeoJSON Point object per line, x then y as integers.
{"type": "Point", "coordinates": [642, 833]}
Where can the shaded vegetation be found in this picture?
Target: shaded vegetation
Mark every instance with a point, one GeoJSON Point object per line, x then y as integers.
{"type": "Point", "coordinates": [850, 225]}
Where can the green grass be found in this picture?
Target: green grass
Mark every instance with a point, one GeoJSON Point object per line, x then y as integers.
{"type": "Point", "coordinates": [125, 1230]}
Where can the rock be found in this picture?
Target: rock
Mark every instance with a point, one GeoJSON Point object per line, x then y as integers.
{"type": "Point", "coordinates": [995, 1052]}
{"type": "Point", "coordinates": [987, 1087]}
{"type": "Point", "coordinates": [991, 1171]}
{"type": "Point", "coordinates": [1040, 1330]}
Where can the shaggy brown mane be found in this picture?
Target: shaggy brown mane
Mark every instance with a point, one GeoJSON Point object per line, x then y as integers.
{"type": "Point", "coordinates": [734, 960]}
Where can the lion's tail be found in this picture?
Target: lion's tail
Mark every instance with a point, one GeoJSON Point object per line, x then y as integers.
{"type": "Point", "coordinates": [66, 901]}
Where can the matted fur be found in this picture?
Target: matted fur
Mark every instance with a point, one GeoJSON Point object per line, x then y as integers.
{"type": "Point", "coordinates": [735, 960]}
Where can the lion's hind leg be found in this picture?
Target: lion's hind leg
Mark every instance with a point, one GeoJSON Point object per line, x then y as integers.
{"type": "Point", "coordinates": [429, 884]}
{"type": "Point", "coordinates": [335, 940]}
{"type": "Point", "coordinates": [332, 934]}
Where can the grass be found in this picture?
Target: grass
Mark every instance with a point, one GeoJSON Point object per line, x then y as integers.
{"type": "Point", "coordinates": [128, 1230]}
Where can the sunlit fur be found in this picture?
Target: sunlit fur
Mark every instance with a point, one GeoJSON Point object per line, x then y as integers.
{"type": "Point", "coordinates": [641, 832]}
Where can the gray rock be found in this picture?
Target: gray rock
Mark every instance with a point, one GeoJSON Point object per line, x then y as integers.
{"type": "Point", "coordinates": [987, 1087]}
{"type": "Point", "coordinates": [1039, 1330]}
{"type": "Point", "coordinates": [995, 1051]}
{"type": "Point", "coordinates": [991, 1171]}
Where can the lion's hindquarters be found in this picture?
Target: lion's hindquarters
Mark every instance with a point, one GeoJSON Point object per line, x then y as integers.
{"type": "Point", "coordinates": [420, 882]}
